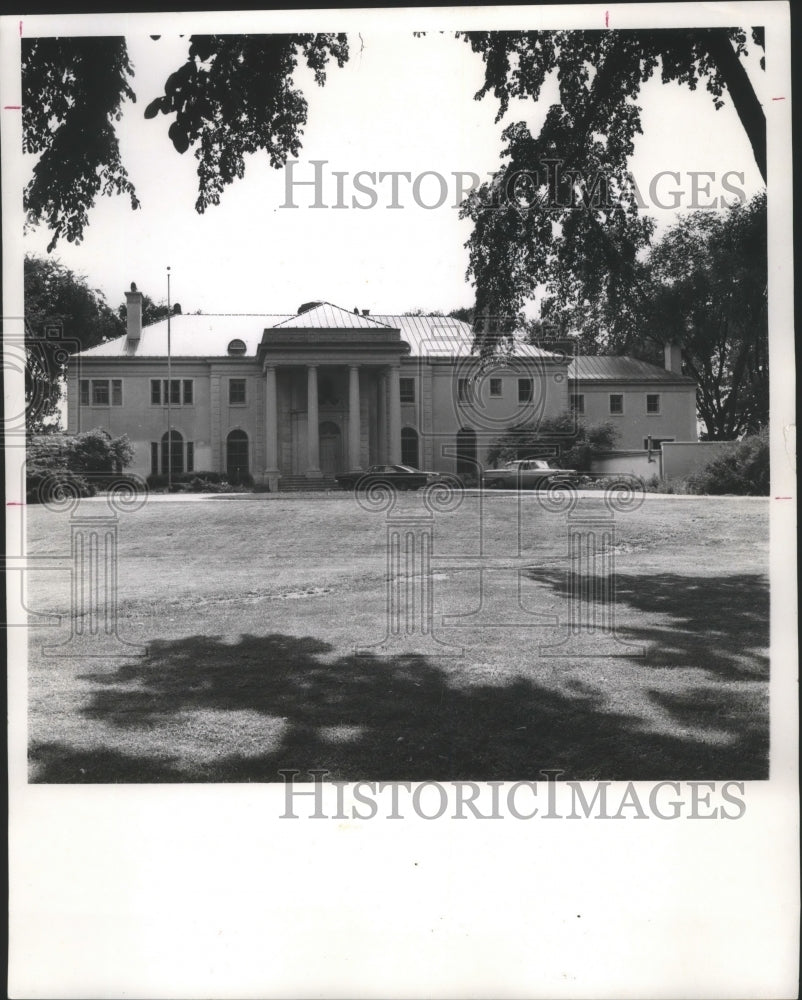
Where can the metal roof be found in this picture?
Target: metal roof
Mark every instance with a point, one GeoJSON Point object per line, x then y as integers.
{"type": "Point", "coordinates": [191, 336]}
{"type": "Point", "coordinates": [326, 316]}
{"type": "Point", "coordinates": [602, 368]}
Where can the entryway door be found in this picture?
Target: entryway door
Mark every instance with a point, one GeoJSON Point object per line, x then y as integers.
{"type": "Point", "coordinates": [331, 448]}
{"type": "Point", "coordinates": [236, 456]}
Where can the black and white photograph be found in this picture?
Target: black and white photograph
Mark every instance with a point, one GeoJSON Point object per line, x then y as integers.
{"type": "Point", "coordinates": [399, 444]}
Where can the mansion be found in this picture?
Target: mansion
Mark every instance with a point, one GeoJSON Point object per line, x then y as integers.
{"type": "Point", "coordinates": [286, 399]}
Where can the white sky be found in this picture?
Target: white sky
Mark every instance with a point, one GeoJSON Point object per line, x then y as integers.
{"type": "Point", "coordinates": [400, 103]}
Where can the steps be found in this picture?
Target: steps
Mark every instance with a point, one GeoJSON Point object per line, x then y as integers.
{"type": "Point", "coordinates": [307, 484]}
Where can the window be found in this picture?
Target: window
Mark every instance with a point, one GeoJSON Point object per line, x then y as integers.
{"type": "Point", "coordinates": [100, 392]}
{"type": "Point", "coordinates": [616, 402]}
{"type": "Point", "coordinates": [463, 390]}
{"type": "Point", "coordinates": [172, 451]}
{"type": "Point", "coordinates": [524, 390]}
{"type": "Point", "coordinates": [407, 386]}
{"type": "Point", "coordinates": [578, 402]}
{"type": "Point", "coordinates": [181, 392]}
{"type": "Point", "coordinates": [154, 458]}
{"type": "Point", "coordinates": [495, 387]}
{"type": "Point", "coordinates": [409, 447]}
{"type": "Point", "coordinates": [652, 402]}
{"type": "Point", "coordinates": [655, 443]}
{"type": "Point", "coordinates": [190, 456]}
{"type": "Point", "coordinates": [236, 347]}
{"type": "Point", "coordinates": [236, 391]}
{"type": "Point", "coordinates": [104, 392]}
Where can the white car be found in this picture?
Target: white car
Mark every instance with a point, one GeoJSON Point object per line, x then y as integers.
{"type": "Point", "coordinates": [526, 474]}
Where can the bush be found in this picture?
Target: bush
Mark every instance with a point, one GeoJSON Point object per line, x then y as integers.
{"type": "Point", "coordinates": [47, 486]}
{"type": "Point", "coordinates": [159, 481]}
{"type": "Point", "coordinates": [743, 471]}
{"type": "Point", "coordinates": [578, 443]}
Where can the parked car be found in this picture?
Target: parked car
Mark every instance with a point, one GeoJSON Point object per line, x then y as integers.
{"type": "Point", "coordinates": [399, 477]}
{"type": "Point", "coordinates": [526, 474]}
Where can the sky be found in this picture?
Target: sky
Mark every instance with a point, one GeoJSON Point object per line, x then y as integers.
{"type": "Point", "coordinates": [400, 104]}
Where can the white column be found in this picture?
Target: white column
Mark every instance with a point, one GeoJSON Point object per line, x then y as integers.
{"type": "Point", "coordinates": [353, 419]}
{"type": "Point", "coordinates": [381, 418]}
{"type": "Point", "coordinates": [312, 423]}
{"type": "Point", "coordinates": [271, 422]}
{"type": "Point", "coordinates": [394, 401]}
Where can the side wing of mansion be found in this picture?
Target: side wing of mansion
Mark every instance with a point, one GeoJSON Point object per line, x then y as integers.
{"type": "Point", "coordinates": [330, 390]}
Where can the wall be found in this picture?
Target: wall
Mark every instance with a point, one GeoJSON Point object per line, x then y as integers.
{"type": "Point", "coordinates": [634, 463]}
{"type": "Point", "coordinates": [677, 417]}
{"type": "Point", "coordinates": [683, 458]}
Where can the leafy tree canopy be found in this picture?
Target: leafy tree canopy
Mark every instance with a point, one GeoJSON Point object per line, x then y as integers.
{"type": "Point", "coordinates": [563, 210]}
{"type": "Point", "coordinates": [62, 315]}
{"type": "Point", "coordinates": [234, 95]}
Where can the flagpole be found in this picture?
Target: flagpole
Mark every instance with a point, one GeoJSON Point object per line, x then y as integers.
{"type": "Point", "coordinates": [169, 395]}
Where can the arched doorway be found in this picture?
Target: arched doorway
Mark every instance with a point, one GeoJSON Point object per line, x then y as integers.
{"type": "Point", "coordinates": [175, 452]}
{"type": "Point", "coordinates": [409, 447]}
{"type": "Point", "coordinates": [237, 456]}
{"type": "Point", "coordinates": [466, 452]}
{"type": "Point", "coordinates": [331, 448]}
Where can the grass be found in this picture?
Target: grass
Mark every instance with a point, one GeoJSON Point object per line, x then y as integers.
{"type": "Point", "coordinates": [251, 609]}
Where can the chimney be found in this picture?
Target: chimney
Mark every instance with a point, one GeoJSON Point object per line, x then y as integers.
{"type": "Point", "coordinates": [673, 358]}
{"type": "Point", "coordinates": [366, 312]}
{"type": "Point", "coordinates": [133, 312]}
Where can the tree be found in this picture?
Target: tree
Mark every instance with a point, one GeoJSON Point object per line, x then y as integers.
{"type": "Point", "coordinates": [578, 442]}
{"type": "Point", "coordinates": [563, 211]}
{"type": "Point", "coordinates": [234, 95]}
{"type": "Point", "coordinates": [707, 281]}
{"type": "Point", "coordinates": [62, 315]}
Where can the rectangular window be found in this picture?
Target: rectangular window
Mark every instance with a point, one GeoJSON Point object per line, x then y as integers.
{"type": "Point", "coordinates": [616, 402]}
{"type": "Point", "coordinates": [116, 392]}
{"type": "Point", "coordinates": [655, 443]}
{"type": "Point", "coordinates": [154, 458]}
{"type": "Point", "coordinates": [190, 456]}
{"type": "Point", "coordinates": [100, 392]}
{"type": "Point", "coordinates": [524, 390]}
{"type": "Point", "coordinates": [495, 387]}
{"type": "Point", "coordinates": [462, 390]}
{"type": "Point", "coordinates": [84, 392]}
{"type": "Point", "coordinates": [236, 391]}
{"type": "Point", "coordinates": [407, 387]}
{"type": "Point", "coordinates": [652, 402]}
{"type": "Point", "coordinates": [578, 402]}
{"type": "Point", "coordinates": [181, 391]}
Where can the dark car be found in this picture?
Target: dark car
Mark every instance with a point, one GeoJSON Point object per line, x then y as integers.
{"type": "Point", "coordinates": [399, 477]}
{"type": "Point", "coordinates": [526, 474]}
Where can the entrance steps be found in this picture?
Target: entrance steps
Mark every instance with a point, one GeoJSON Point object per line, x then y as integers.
{"type": "Point", "coordinates": [307, 484]}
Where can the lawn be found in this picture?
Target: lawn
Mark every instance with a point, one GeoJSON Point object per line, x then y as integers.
{"type": "Point", "coordinates": [250, 611]}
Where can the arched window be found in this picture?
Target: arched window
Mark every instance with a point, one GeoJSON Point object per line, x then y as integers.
{"type": "Point", "coordinates": [409, 447]}
{"type": "Point", "coordinates": [173, 452]}
{"type": "Point", "coordinates": [466, 452]}
{"type": "Point", "coordinates": [237, 347]}
{"type": "Point", "coordinates": [236, 456]}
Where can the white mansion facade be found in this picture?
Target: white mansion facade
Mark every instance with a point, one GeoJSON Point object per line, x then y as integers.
{"type": "Point", "coordinates": [327, 390]}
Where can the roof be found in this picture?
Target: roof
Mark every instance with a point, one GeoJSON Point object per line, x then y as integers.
{"type": "Point", "coordinates": [191, 336]}
{"type": "Point", "coordinates": [207, 335]}
{"type": "Point", "coordinates": [326, 316]}
{"type": "Point", "coordinates": [602, 368]}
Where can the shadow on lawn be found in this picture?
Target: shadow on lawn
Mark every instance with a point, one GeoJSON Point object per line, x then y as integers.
{"type": "Point", "coordinates": [717, 623]}
{"type": "Point", "coordinates": [407, 718]}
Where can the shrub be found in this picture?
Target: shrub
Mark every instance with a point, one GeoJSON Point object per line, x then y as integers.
{"type": "Point", "coordinates": [578, 443]}
{"type": "Point", "coordinates": [47, 486]}
{"type": "Point", "coordinates": [743, 471]}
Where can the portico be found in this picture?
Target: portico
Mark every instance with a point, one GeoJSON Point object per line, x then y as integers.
{"type": "Point", "coordinates": [332, 394]}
